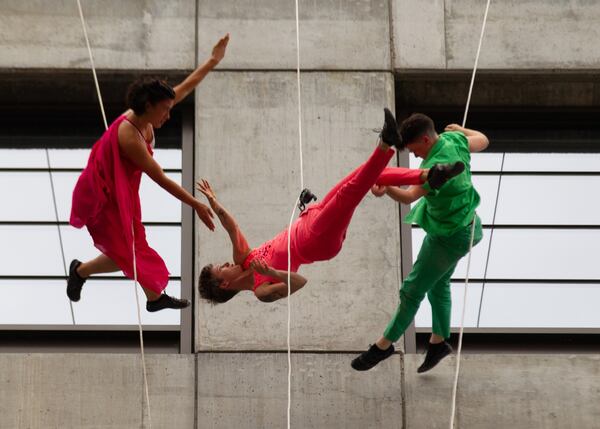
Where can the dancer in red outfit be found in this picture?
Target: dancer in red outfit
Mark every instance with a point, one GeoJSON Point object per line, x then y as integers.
{"type": "Point", "coordinates": [106, 197]}
{"type": "Point", "coordinates": [317, 235]}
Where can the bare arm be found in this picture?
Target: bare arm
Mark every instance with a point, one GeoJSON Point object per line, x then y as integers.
{"type": "Point", "coordinates": [269, 292]}
{"type": "Point", "coordinates": [189, 83]}
{"type": "Point", "coordinates": [404, 196]}
{"type": "Point", "coordinates": [477, 140]}
{"type": "Point", "coordinates": [134, 149]}
{"type": "Point", "coordinates": [238, 240]}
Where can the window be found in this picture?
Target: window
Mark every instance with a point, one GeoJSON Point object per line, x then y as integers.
{"type": "Point", "coordinates": [32, 269]}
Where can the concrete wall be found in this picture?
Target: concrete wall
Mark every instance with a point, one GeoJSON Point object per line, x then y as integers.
{"type": "Point", "coordinates": [334, 34]}
{"type": "Point", "coordinates": [249, 152]}
{"type": "Point", "coordinates": [84, 391]}
{"type": "Point", "coordinates": [505, 391]}
{"type": "Point", "coordinates": [145, 34]}
{"type": "Point", "coordinates": [249, 390]}
{"type": "Point", "coordinates": [520, 34]}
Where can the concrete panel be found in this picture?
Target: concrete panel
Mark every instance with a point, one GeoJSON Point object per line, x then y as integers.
{"type": "Point", "coordinates": [334, 34]}
{"type": "Point", "coordinates": [250, 391]}
{"type": "Point", "coordinates": [83, 391]}
{"type": "Point", "coordinates": [524, 34]}
{"type": "Point", "coordinates": [141, 34]}
{"type": "Point", "coordinates": [506, 391]}
{"type": "Point", "coordinates": [247, 146]}
{"type": "Point", "coordinates": [419, 34]}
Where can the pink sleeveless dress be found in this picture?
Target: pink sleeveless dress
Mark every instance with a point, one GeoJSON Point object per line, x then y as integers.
{"type": "Point", "coordinates": [106, 200]}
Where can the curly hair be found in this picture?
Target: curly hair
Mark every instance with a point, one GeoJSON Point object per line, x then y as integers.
{"type": "Point", "coordinates": [147, 90]}
{"type": "Point", "coordinates": [208, 286]}
{"type": "Point", "coordinates": [415, 126]}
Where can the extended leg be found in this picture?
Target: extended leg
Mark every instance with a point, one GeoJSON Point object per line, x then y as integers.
{"type": "Point", "coordinates": [432, 263]}
{"type": "Point", "coordinates": [80, 271]}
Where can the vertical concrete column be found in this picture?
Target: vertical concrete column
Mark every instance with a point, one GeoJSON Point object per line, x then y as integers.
{"type": "Point", "coordinates": [247, 145]}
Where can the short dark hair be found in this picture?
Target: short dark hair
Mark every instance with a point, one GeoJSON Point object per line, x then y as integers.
{"type": "Point", "coordinates": [147, 90]}
{"type": "Point", "coordinates": [208, 286]}
{"type": "Point", "coordinates": [415, 126]}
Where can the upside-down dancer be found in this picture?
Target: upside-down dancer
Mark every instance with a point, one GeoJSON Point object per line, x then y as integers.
{"type": "Point", "coordinates": [318, 233]}
{"type": "Point", "coordinates": [447, 215]}
{"type": "Point", "coordinates": [106, 197]}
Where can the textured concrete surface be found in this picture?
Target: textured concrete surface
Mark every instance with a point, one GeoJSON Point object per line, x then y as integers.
{"type": "Point", "coordinates": [520, 34]}
{"type": "Point", "coordinates": [250, 391]}
{"type": "Point", "coordinates": [148, 34]}
{"type": "Point", "coordinates": [354, 35]}
{"type": "Point", "coordinates": [248, 149]}
{"type": "Point", "coordinates": [506, 391]}
{"type": "Point", "coordinates": [82, 391]}
{"type": "Point", "coordinates": [418, 29]}
{"type": "Point", "coordinates": [334, 34]}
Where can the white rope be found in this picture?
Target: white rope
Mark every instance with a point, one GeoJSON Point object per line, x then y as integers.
{"type": "Point", "coordinates": [289, 304]}
{"type": "Point", "coordinates": [135, 282]}
{"type": "Point", "coordinates": [289, 318]}
{"type": "Point", "coordinates": [60, 240]}
{"type": "Point", "coordinates": [299, 95]}
{"type": "Point", "coordinates": [139, 315]}
{"type": "Point", "coordinates": [462, 319]}
{"type": "Point", "coordinates": [87, 42]}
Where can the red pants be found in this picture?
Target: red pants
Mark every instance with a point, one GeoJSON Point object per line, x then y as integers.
{"type": "Point", "coordinates": [321, 229]}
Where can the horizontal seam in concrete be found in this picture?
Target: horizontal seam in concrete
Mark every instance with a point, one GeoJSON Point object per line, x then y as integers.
{"type": "Point", "coordinates": [420, 71]}
{"type": "Point", "coordinates": [314, 352]}
{"type": "Point", "coordinates": [311, 70]}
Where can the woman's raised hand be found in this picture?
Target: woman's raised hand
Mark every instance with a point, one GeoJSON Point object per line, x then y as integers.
{"type": "Point", "coordinates": [205, 214]}
{"type": "Point", "coordinates": [218, 51]}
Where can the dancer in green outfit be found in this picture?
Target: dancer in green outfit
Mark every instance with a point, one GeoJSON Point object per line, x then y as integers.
{"type": "Point", "coordinates": [446, 215]}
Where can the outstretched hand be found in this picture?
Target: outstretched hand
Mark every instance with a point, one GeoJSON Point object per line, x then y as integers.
{"type": "Point", "coordinates": [204, 187]}
{"type": "Point", "coordinates": [218, 51]}
{"type": "Point", "coordinates": [259, 266]}
{"type": "Point", "coordinates": [378, 190]}
{"type": "Point", "coordinates": [205, 215]}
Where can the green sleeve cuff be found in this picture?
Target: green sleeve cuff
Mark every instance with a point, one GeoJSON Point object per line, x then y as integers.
{"type": "Point", "coordinates": [427, 187]}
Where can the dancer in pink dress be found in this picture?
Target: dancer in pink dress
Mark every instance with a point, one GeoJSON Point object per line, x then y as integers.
{"type": "Point", "coordinates": [319, 232]}
{"type": "Point", "coordinates": [106, 197]}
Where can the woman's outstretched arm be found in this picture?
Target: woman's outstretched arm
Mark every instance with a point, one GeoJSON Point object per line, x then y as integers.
{"type": "Point", "coordinates": [189, 83]}
{"type": "Point", "coordinates": [269, 292]}
{"type": "Point", "coordinates": [238, 240]}
{"type": "Point", "coordinates": [136, 151]}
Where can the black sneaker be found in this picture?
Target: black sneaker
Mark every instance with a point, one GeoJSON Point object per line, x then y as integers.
{"type": "Point", "coordinates": [166, 301]}
{"type": "Point", "coordinates": [439, 174]}
{"type": "Point", "coordinates": [435, 353]}
{"type": "Point", "coordinates": [371, 357]}
{"type": "Point", "coordinates": [74, 281]}
{"type": "Point", "coordinates": [306, 197]}
{"type": "Point", "coordinates": [389, 134]}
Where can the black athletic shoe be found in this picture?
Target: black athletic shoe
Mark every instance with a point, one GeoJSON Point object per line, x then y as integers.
{"type": "Point", "coordinates": [435, 353]}
{"type": "Point", "coordinates": [305, 198]}
{"type": "Point", "coordinates": [371, 357]}
{"type": "Point", "coordinates": [389, 134]}
{"type": "Point", "coordinates": [74, 281]}
{"type": "Point", "coordinates": [439, 174]}
{"type": "Point", "coordinates": [166, 301]}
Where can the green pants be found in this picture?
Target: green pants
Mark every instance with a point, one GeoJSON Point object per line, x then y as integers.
{"type": "Point", "coordinates": [431, 275]}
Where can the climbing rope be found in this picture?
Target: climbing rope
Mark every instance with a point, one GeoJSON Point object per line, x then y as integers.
{"type": "Point", "coordinates": [135, 277]}
{"type": "Point", "coordinates": [462, 319]}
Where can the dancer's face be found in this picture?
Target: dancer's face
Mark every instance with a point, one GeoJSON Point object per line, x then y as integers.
{"type": "Point", "coordinates": [227, 271]}
{"type": "Point", "coordinates": [159, 113]}
{"type": "Point", "coordinates": [421, 146]}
